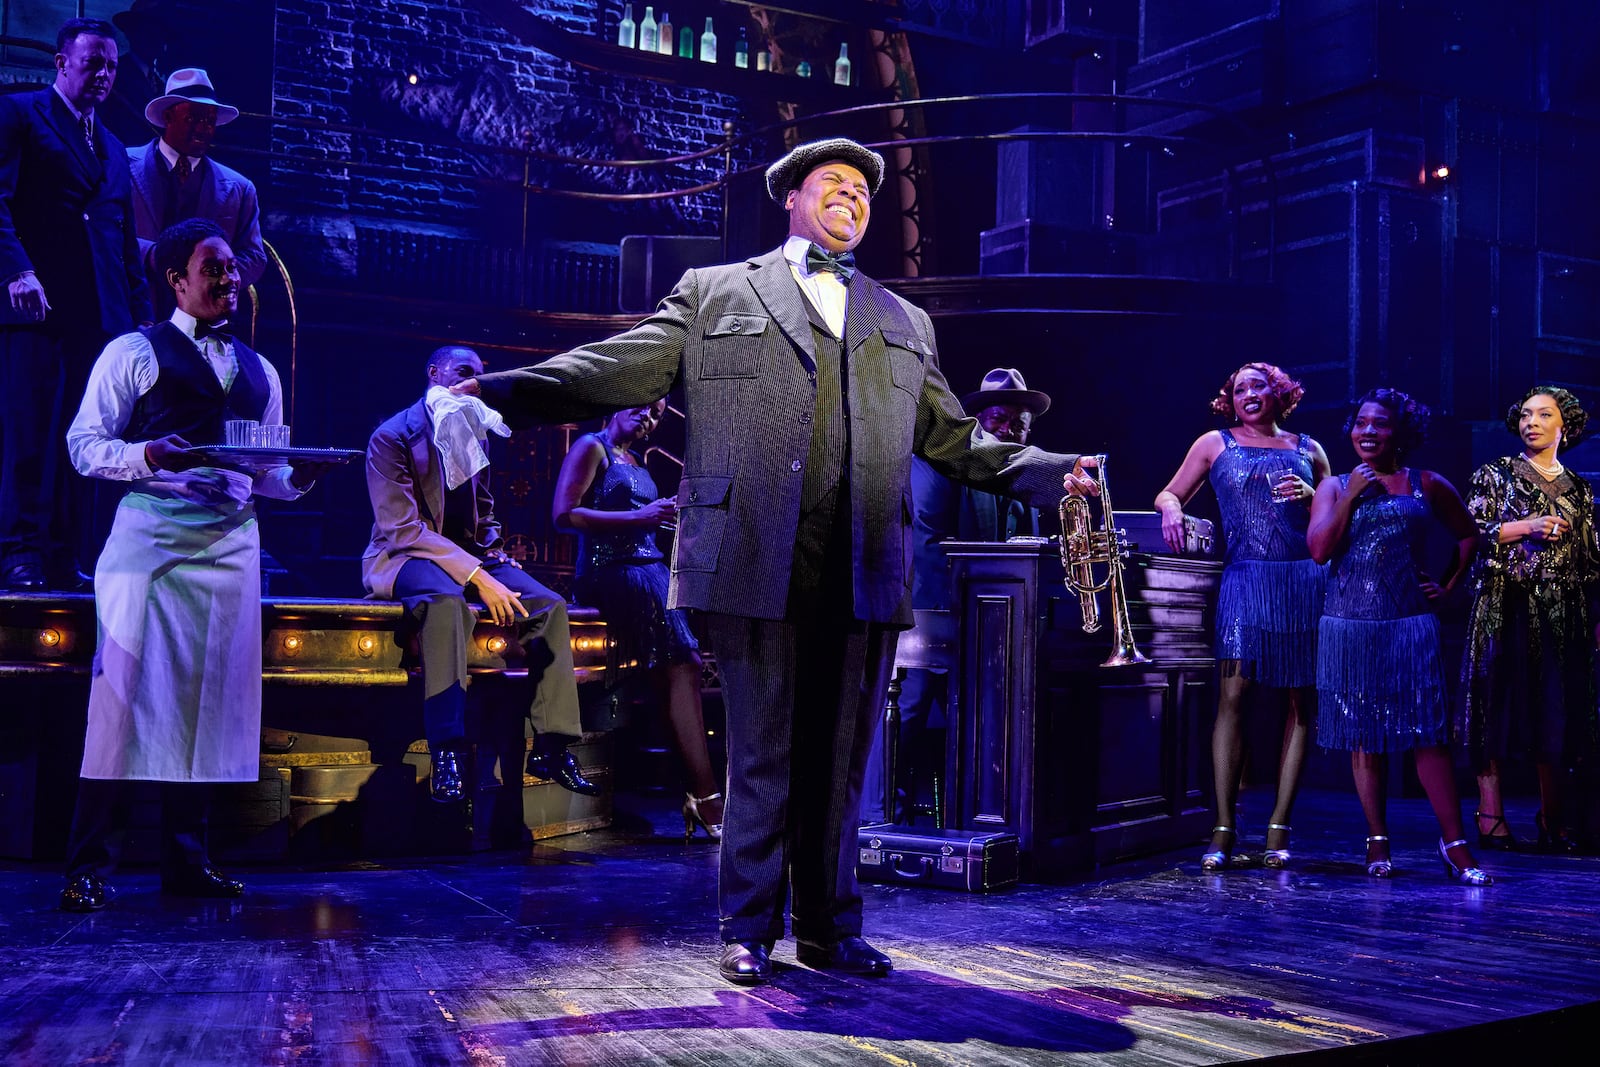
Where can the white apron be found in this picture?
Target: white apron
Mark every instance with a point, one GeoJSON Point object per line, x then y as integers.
{"type": "Point", "coordinates": [176, 690]}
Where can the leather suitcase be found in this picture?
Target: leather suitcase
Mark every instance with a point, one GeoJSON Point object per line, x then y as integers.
{"type": "Point", "coordinates": [947, 859]}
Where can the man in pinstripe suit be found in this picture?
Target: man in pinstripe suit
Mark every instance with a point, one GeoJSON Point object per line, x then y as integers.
{"type": "Point", "coordinates": [807, 388]}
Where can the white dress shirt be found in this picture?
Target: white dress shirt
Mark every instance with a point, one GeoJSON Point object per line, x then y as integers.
{"type": "Point", "coordinates": [126, 370]}
{"type": "Point", "coordinates": [825, 289]}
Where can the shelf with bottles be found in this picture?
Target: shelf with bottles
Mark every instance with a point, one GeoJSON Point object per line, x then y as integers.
{"type": "Point", "coordinates": [717, 46]}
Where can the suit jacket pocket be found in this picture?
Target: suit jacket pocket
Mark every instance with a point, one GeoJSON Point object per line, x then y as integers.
{"type": "Point", "coordinates": [732, 346]}
{"type": "Point", "coordinates": [702, 518]}
{"type": "Point", "coordinates": [906, 353]}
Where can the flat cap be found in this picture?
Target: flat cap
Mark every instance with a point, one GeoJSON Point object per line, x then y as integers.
{"type": "Point", "coordinates": [788, 172]}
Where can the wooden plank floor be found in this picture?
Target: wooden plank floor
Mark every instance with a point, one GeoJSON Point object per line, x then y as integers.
{"type": "Point", "coordinates": [599, 949]}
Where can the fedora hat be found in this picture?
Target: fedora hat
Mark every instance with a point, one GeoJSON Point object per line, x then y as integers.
{"type": "Point", "coordinates": [193, 86]}
{"type": "Point", "coordinates": [788, 172]}
{"type": "Point", "coordinates": [1004, 385]}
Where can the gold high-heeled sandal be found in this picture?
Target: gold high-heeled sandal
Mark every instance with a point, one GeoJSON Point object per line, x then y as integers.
{"type": "Point", "coordinates": [1276, 857]}
{"type": "Point", "coordinates": [1217, 859]}
{"type": "Point", "coordinates": [693, 818]}
{"type": "Point", "coordinates": [1464, 875]}
{"type": "Point", "coordinates": [1380, 868]}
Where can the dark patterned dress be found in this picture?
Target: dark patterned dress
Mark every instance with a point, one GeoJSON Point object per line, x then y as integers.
{"type": "Point", "coordinates": [1271, 593]}
{"type": "Point", "coordinates": [625, 576]}
{"type": "Point", "coordinates": [1527, 677]}
{"type": "Point", "coordinates": [1380, 682]}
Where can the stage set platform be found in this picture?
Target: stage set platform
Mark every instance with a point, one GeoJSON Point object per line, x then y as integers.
{"type": "Point", "coordinates": [598, 948]}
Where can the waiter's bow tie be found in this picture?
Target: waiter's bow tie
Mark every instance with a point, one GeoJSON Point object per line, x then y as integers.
{"type": "Point", "coordinates": [203, 330]}
{"type": "Point", "coordinates": [841, 263]}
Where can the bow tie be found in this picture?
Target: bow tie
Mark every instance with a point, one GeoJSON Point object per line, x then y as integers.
{"type": "Point", "coordinates": [841, 263]}
{"type": "Point", "coordinates": [216, 329]}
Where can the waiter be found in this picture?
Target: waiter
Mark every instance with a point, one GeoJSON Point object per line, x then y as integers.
{"type": "Point", "coordinates": [175, 696]}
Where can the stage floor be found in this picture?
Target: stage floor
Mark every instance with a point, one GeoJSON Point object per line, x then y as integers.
{"type": "Point", "coordinates": [599, 949]}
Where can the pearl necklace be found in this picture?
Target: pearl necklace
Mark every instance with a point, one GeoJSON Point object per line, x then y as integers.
{"type": "Point", "coordinates": [1552, 471]}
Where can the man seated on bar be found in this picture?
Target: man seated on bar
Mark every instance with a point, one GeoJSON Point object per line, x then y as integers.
{"type": "Point", "coordinates": [435, 542]}
{"type": "Point", "coordinates": [175, 696]}
{"type": "Point", "coordinates": [943, 510]}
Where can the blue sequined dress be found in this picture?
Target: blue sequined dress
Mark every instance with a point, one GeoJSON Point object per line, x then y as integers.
{"type": "Point", "coordinates": [1271, 594]}
{"type": "Point", "coordinates": [624, 574]}
{"type": "Point", "coordinates": [1380, 683]}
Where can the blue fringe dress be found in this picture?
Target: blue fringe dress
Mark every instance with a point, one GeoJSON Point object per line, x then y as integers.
{"type": "Point", "coordinates": [625, 576]}
{"type": "Point", "coordinates": [1380, 682]}
{"type": "Point", "coordinates": [1272, 590]}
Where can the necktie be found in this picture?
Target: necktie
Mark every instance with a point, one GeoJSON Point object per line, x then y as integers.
{"type": "Point", "coordinates": [841, 263]}
{"type": "Point", "coordinates": [182, 170]}
{"type": "Point", "coordinates": [88, 131]}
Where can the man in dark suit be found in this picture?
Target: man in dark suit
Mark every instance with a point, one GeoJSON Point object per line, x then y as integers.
{"type": "Point", "coordinates": [434, 541]}
{"type": "Point", "coordinates": [943, 510]}
{"type": "Point", "coordinates": [70, 260]}
{"type": "Point", "coordinates": [807, 388]}
{"type": "Point", "coordinates": [173, 180]}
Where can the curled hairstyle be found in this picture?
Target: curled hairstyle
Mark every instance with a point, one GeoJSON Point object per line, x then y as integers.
{"type": "Point", "coordinates": [1573, 417]}
{"type": "Point", "coordinates": [177, 242]}
{"type": "Point", "coordinates": [1410, 417]}
{"type": "Point", "coordinates": [1286, 389]}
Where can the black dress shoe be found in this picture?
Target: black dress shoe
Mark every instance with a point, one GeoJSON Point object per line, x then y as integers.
{"type": "Point", "coordinates": [562, 768]}
{"type": "Point", "coordinates": [745, 962]}
{"type": "Point", "coordinates": [851, 955]}
{"type": "Point", "coordinates": [86, 892]}
{"type": "Point", "coordinates": [25, 578]}
{"type": "Point", "coordinates": [447, 783]}
{"type": "Point", "coordinates": [204, 881]}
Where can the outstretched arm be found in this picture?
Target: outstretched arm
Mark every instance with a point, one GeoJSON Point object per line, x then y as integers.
{"type": "Point", "coordinates": [1184, 484]}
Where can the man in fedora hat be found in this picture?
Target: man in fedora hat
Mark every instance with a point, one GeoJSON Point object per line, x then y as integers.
{"type": "Point", "coordinates": [943, 510]}
{"type": "Point", "coordinates": [807, 387]}
{"type": "Point", "coordinates": [173, 180]}
{"type": "Point", "coordinates": [69, 261]}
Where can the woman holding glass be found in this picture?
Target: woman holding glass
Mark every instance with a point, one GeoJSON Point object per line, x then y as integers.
{"type": "Point", "coordinates": [606, 496]}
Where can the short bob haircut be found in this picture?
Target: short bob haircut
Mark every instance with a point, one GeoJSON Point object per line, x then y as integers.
{"type": "Point", "coordinates": [1573, 417]}
{"type": "Point", "coordinates": [177, 242]}
{"type": "Point", "coordinates": [1286, 389]}
{"type": "Point", "coordinates": [1410, 417]}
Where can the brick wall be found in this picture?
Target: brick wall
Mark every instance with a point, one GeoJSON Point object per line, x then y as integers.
{"type": "Point", "coordinates": [402, 114]}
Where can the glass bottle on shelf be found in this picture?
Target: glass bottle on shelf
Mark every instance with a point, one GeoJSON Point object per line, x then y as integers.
{"type": "Point", "coordinates": [686, 43]}
{"type": "Point", "coordinates": [764, 59]}
{"type": "Point", "coordinates": [649, 32]}
{"type": "Point", "coordinates": [841, 67]}
{"type": "Point", "coordinates": [804, 69]}
{"type": "Point", "coordinates": [708, 44]}
{"type": "Point", "coordinates": [741, 51]}
{"type": "Point", "coordinates": [664, 34]}
{"type": "Point", "coordinates": [627, 32]}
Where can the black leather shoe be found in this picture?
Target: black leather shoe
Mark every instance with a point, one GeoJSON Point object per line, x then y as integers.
{"type": "Point", "coordinates": [201, 882]}
{"type": "Point", "coordinates": [851, 955]}
{"type": "Point", "coordinates": [448, 783]}
{"type": "Point", "coordinates": [25, 578]}
{"type": "Point", "coordinates": [86, 892]}
{"type": "Point", "coordinates": [562, 768]}
{"type": "Point", "coordinates": [745, 962]}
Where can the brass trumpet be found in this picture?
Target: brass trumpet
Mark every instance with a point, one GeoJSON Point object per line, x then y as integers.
{"type": "Point", "coordinates": [1084, 548]}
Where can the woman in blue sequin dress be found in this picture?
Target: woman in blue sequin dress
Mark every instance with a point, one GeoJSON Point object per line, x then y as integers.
{"type": "Point", "coordinates": [608, 498]}
{"type": "Point", "coordinates": [1271, 595]}
{"type": "Point", "coordinates": [1380, 682]}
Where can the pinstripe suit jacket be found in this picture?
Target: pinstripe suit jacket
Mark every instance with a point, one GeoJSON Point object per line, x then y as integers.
{"type": "Point", "coordinates": [738, 339]}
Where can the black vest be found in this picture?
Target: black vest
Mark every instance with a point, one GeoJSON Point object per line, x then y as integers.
{"type": "Point", "coordinates": [187, 398]}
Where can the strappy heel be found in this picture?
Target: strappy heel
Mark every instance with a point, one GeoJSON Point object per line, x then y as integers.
{"type": "Point", "coordinates": [693, 818]}
{"type": "Point", "coordinates": [1490, 840]}
{"type": "Point", "coordinates": [1276, 857]}
{"type": "Point", "coordinates": [1383, 868]}
{"type": "Point", "coordinates": [1554, 839]}
{"type": "Point", "coordinates": [1218, 859]}
{"type": "Point", "coordinates": [1464, 875]}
